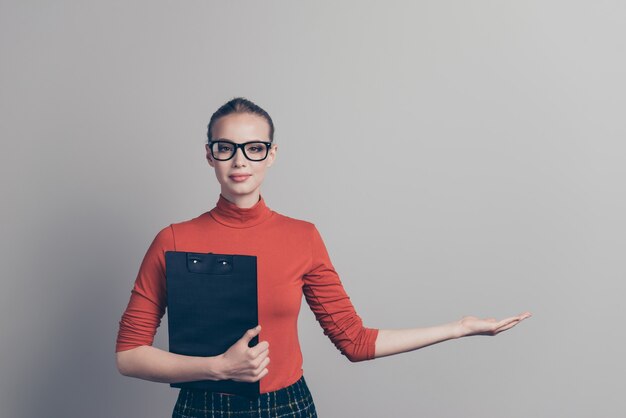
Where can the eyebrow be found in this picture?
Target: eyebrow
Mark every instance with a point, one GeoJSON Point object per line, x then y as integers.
{"type": "Point", "coordinates": [252, 140]}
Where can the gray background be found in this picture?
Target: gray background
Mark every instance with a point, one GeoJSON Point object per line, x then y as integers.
{"type": "Point", "coordinates": [459, 158]}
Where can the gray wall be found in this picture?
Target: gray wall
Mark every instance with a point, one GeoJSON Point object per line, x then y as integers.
{"type": "Point", "coordinates": [459, 158]}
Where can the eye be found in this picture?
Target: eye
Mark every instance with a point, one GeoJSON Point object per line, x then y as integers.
{"type": "Point", "coordinates": [256, 148]}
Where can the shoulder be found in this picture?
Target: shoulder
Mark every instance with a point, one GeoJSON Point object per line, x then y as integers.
{"type": "Point", "coordinates": [168, 234]}
{"type": "Point", "coordinates": [191, 225]}
{"type": "Point", "coordinates": [294, 224]}
{"type": "Point", "coordinates": [305, 231]}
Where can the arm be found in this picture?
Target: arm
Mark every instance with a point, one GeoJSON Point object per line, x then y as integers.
{"type": "Point", "coordinates": [135, 356]}
{"type": "Point", "coordinates": [332, 306]}
{"type": "Point", "coordinates": [395, 341]}
{"type": "Point", "coordinates": [150, 363]}
{"type": "Point", "coordinates": [240, 363]}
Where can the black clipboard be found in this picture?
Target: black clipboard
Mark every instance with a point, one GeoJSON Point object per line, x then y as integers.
{"type": "Point", "coordinates": [211, 302]}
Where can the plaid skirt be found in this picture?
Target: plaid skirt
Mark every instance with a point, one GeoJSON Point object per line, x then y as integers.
{"type": "Point", "coordinates": [291, 401]}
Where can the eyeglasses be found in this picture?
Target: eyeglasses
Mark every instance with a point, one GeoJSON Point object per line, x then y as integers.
{"type": "Point", "coordinates": [252, 150]}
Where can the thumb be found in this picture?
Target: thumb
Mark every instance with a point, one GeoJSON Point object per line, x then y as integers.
{"type": "Point", "coordinates": [251, 333]}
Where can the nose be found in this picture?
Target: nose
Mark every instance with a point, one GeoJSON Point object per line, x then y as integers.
{"type": "Point", "coordinates": [239, 159]}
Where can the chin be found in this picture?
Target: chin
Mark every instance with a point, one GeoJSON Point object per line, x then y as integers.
{"type": "Point", "coordinates": [242, 188]}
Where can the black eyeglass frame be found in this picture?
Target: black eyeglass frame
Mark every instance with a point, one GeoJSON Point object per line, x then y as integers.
{"type": "Point", "coordinates": [268, 144]}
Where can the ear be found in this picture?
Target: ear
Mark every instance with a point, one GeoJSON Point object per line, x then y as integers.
{"type": "Point", "coordinates": [272, 155]}
{"type": "Point", "coordinates": [209, 157]}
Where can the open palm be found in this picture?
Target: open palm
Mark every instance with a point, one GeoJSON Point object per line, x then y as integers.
{"type": "Point", "coordinates": [471, 325]}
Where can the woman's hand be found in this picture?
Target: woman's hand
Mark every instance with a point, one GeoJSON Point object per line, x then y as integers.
{"type": "Point", "coordinates": [246, 364]}
{"type": "Point", "coordinates": [471, 325]}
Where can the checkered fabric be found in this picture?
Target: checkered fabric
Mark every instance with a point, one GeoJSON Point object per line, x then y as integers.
{"type": "Point", "coordinates": [291, 401]}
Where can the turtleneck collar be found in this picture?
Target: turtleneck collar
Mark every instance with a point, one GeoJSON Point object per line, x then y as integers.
{"type": "Point", "coordinates": [229, 214]}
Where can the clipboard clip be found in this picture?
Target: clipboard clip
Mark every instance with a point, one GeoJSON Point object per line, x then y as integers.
{"type": "Point", "coordinates": [209, 263]}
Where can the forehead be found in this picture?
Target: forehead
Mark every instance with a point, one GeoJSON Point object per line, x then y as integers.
{"type": "Point", "coordinates": [241, 127]}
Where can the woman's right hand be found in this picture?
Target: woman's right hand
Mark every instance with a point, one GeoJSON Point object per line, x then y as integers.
{"type": "Point", "coordinates": [246, 364]}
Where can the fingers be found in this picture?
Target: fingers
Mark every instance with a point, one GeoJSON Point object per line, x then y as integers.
{"type": "Point", "coordinates": [511, 322]}
{"type": "Point", "coordinates": [505, 327]}
{"type": "Point", "coordinates": [262, 366]}
{"type": "Point", "coordinates": [504, 322]}
{"type": "Point", "coordinates": [260, 348]}
{"type": "Point", "coordinates": [262, 375]}
{"type": "Point", "coordinates": [517, 318]}
{"type": "Point", "coordinates": [251, 333]}
{"type": "Point", "coordinates": [261, 370]}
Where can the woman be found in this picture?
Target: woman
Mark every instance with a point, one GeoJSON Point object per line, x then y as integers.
{"type": "Point", "coordinates": [292, 261]}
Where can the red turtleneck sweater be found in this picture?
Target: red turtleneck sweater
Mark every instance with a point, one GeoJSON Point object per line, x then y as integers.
{"type": "Point", "coordinates": [292, 260]}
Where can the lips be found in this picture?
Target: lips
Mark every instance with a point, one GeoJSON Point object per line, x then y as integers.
{"type": "Point", "coordinates": [239, 177]}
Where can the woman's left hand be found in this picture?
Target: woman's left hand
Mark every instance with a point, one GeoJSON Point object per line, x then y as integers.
{"type": "Point", "coordinates": [471, 325]}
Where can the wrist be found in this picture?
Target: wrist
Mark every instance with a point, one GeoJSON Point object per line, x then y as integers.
{"type": "Point", "coordinates": [215, 369]}
{"type": "Point", "coordinates": [456, 329]}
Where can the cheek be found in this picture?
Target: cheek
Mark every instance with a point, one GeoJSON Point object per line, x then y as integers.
{"type": "Point", "coordinates": [221, 174]}
{"type": "Point", "coordinates": [259, 173]}
{"type": "Point", "coordinates": [220, 170]}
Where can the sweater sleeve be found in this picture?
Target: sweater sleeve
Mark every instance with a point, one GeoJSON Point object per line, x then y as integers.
{"type": "Point", "coordinates": [332, 307]}
{"type": "Point", "coordinates": [148, 297]}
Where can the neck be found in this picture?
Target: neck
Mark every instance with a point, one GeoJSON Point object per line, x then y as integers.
{"type": "Point", "coordinates": [232, 215]}
{"type": "Point", "coordinates": [243, 201]}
